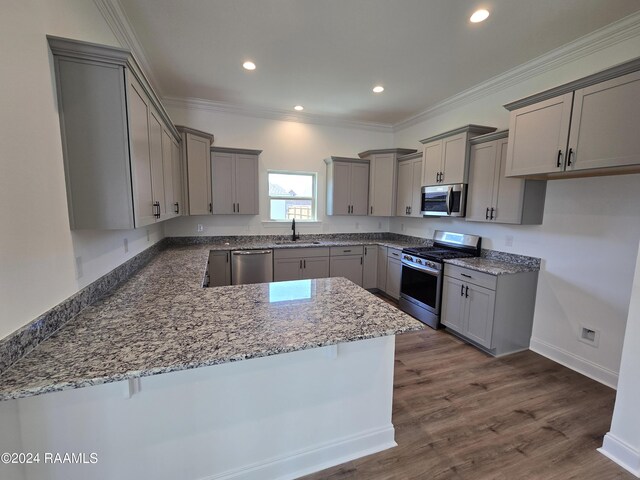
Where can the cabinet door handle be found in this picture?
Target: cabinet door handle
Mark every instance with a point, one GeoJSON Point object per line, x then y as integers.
{"type": "Point", "coordinates": [559, 158]}
{"type": "Point", "coordinates": [304, 264]}
{"type": "Point", "coordinates": [465, 275]}
{"type": "Point", "coordinates": [466, 292]}
{"type": "Point", "coordinates": [238, 204]}
{"type": "Point", "coordinates": [486, 215]}
{"type": "Point", "coordinates": [365, 250]}
{"type": "Point", "coordinates": [569, 162]}
{"type": "Point", "coordinates": [227, 257]}
{"type": "Point", "coordinates": [491, 217]}
{"type": "Point", "coordinates": [300, 264]}
{"type": "Point", "coordinates": [461, 290]}
{"type": "Point", "coordinates": [177, 205]}
{"type": "Point", "coordinates": [210, 208]}
{"type": "Point", "coordinates": [360, 260]}
{"type": "Point", "coordinates": [441, 177]}
{"type": "Point", "coordinates": [409, 210]}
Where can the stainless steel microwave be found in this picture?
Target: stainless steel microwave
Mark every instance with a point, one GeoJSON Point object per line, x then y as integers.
{"type": "Point", "coordinates": [444, 200]}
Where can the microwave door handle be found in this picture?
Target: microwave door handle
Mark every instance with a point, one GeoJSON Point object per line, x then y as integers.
{"type": "Point", "coordinates": [449, 200]}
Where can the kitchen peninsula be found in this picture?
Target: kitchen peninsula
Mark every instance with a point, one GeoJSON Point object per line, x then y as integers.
{"type": "Point", "coordinates": [317, 390]}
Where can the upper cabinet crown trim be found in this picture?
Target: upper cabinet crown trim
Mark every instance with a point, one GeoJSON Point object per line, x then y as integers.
{"type": "Point", "coordinates": [489, 137]}
{"type": "Point", "coordinates": [410, 156]}
{"type": "Point", "coordinates": [193, 131]}
{"type": "Point", "coordinates": [66, 47]}
{"type": "Point", "coordinates": [345, 159]}
{"type": "Point", "coordinates": [398, 151]}
{"type": "Point", "coordinates": [471, 128]}
{"type": "Point", "coordinates": [241, 151]}
{"type": "Point", "coordinates": [598, 77]}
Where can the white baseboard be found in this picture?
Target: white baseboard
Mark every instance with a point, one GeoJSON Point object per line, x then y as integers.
{"type": "Point", "coordinates": [574, 362]}
{"type": "Point", "coordinates": [621, 453]}
{"type": "Point", "coordinates": [313, 459]}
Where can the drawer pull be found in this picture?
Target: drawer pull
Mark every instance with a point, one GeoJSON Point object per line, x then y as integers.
{"type": "Point", "coordinates": [465, 275]}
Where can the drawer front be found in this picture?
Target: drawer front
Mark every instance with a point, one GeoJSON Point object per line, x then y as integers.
{"type": "Point", "coordinates": [304, 252]}
{"type": "Point", "coordinates": [394, 253]}
{"type": "Point", "coordinates": [353, 250]}
{"type": "Point", "coordinates": [471, 276]}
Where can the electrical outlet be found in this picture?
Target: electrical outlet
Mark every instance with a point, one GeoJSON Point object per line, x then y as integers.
{"type": "Point", "coordinates": [199, 228]}
{"type": "Point", "coordinates": [79, 272]}
{"type": "Point", "coordinates": [589, 335]}
{"type": "Point", "coordinates": [508, 241]}
{"type": "Point", "coordinates": [126, 245]}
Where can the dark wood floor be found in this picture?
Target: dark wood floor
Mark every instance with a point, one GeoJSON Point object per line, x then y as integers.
{"type": "Point", "coordinates": [461, 414]}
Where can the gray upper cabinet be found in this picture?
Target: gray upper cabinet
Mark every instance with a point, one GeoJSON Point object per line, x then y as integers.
{"type": "Point", "coordinates": [383, 169]}
{"type": "Point", "coordinates": [197, 170]}
{"type": "Point", "coordinates": [234, 181]}
{"type": "Point", "coordinates": [347, 186]}
{"type": "Point", "coordinates": [583, 128]}
{"type": "Point", "coordinates": [112, 125]}
{"type": "Point", "coordinates": [494, 197]}
{"type": "Point", "coordinates": [445, 159]}
{"type": "Point", "coordinates": [408, 203]}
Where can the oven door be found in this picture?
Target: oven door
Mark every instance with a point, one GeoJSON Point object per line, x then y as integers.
{"type": "Point", "coordinates": [421, 287]}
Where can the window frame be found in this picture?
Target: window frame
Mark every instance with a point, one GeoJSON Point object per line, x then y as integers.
{"type": "Point", "coordinates": [313, 198]}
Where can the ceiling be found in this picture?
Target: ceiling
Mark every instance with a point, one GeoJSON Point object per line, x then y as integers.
{"type": "Point", "coordinates": [328, 54]}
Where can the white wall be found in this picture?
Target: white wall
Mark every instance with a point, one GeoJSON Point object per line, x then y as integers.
{"type": "Point", "coordinates": [37, 250]}
{"type": "Point", "coordinates": [587, 241]}
{"type": "Point", "coordinates": [622, 443]}
{"type": "Point", "coordinates": [286, 146]}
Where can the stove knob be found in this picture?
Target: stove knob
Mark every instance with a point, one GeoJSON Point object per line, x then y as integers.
{"type": "Point", "coordinates": [419, 261]}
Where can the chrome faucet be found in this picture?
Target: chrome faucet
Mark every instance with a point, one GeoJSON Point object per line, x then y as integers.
{"type": "Point", "coordinates": [294, 237]}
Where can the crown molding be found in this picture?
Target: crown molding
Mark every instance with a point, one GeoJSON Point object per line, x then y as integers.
{"type": "Point", "coordinates": [119, 23]}
{"type": "Point", "coordinates": [595, 41]}
{"type": "Point", "coordinates": [274, 114]}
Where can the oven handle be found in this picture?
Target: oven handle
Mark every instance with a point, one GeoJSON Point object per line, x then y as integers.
{"type": "Point", "coordinates": [428, 270]}
{"type": "Point", "coordinates": [449, 198]}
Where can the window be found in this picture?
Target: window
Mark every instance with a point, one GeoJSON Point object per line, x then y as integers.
{"type": "Point", "coordinates": [292, 196]}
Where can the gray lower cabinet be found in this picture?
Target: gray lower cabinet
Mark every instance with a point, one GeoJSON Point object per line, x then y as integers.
{"type": "Point", "coordinates": [347, 262]}
{"type": "Point", "coordinates": [234, 181]}
{"type": "Point", "coordinates": [219, 269]}
{"type": "Point", "coordinates": [114, 160]}
{"type": "Point", "coordinates": [300, 263]}
{"type": "Point", "coordinates": [197, 170]}
{"type": "Point", "coordinates": [394, 273]}
{"type": "Point", "coordinates": [495, 198]}
{"type": "Point", "coordinates": [494, 312]}
{"type": "Point", "coordinates": [382, 268]}
{"type": "Point", "coordinates": [370, 267]}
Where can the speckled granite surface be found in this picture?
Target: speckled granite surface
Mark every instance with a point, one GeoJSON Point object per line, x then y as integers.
{"type": "Point", "coordinates": [532, 262]}
{"type": "Point", "coordinates": [161, 320]}
{"type": "Point", "coordinates": [493, 267]}
{"type": "Point", "coordinates": [22, 341]}
{"type": "Point", "coordinates": [284, 241]}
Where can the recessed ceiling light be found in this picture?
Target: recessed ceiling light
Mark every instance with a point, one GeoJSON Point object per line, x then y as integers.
{"type": "Point", "coordinates": [479, 16]}
{"type": "Point", "coordinates": [298, 108]}
{"type": "Point", "coordinates": [249, 65]}
{"type": "Point", "coordinates": [378, 89]}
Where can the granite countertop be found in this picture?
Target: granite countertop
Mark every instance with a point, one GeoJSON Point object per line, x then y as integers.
{"type": "Point", "coordinates": [257, 245]}
{"type": "Point", "coordinates": [161, 320]}
{"type": "Point", "coordinates": [493, 266]}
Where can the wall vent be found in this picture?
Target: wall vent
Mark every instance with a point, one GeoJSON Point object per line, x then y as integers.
{"type": "Point", "coordinates": [589, 335]}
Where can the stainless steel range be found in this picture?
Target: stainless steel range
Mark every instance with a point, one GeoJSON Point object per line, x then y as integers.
{"type": "Point", "coordinates": [422, 271]}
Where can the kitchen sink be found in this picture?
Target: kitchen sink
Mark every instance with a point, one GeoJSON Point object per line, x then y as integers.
{"type": "Point", "coordinates": [291, 242]}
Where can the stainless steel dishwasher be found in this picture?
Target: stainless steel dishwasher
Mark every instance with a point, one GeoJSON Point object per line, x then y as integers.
{"type": "Point", "coordinates": [251, 266]}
